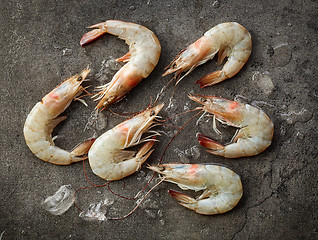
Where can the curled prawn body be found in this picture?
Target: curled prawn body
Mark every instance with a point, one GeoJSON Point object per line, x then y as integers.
{"type": "Point", "coordinates": [222, 187]}
{"type": "Point", "coordinates": [229, 40]}
{"type": "Point", "coordinates": [143, 56]}
{"type": "Point", "coordinates": [44, 117]}
{"type": "Point", "coordinates": [255, 127]}
{"type": "Point", "coordinates": [107, 156]}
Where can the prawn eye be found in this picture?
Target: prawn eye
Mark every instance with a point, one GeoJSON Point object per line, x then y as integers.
{"type": "Point", "coordinates": [152, 113]}
{"type": "Point", "coordinates": [203, 100]}
{"type": "Point", "coordinates": [161, 168]}
{"type": "Point", "coordinates": [79, 78]}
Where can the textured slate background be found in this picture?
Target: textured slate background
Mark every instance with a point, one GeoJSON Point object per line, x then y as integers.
{"type": "Point", "coordinates": [40, 47]}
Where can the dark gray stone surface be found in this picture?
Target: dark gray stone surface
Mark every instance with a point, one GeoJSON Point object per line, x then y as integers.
{"type": "Point", "coordinates": [40, 47]}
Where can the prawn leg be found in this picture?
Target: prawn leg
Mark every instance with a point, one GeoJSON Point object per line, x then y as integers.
{"type": "Point", "coordinates": [91, 36]}
{"type": "Point", "coordinates": [133, 165]}
{"type": "Point", "coordinates": [231, 68]}
{"type": "Point", "coordinates": [124, 58]}
{"type": "Point", "coordinates": [211, 79]}
{"type": "Point", "coordinates": [183, 199]}
{"type": "Point", "coordinates": [209, 143]}
{"type": "Point", "coordinates": [83, 148]}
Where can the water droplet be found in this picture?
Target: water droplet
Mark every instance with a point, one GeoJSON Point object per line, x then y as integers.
{"type": "Point", "coordinates": [205, 126]}
{"type": "Point", "coordinates": [216, 4]}
{"type": "Point", "coordinates": [193, 152]}
{"type": "Point", "coordinates": [149, 203]}
{"type": "Point", "coordinates": [186, 107]}
{"type": "Point", "coordinates": [162, 222]}
{"type": "Point", "coordinates": [169, 133]}
{"type": "Point", "coordinates": [264, 82]}
{"type": "Point", "coordinates": [300, 135]}
{"type": "Point", "coordinates": [282, 55]}
{"type": "Point", "coordinates": [160, 213]}
{"type": "Point", "coordinates": [259, 104]}
{"type": "Point", "coordinates": [241, 99]}
{"type": "Point", "coordinates": [182, 156]}
{"type": "Point", "coordinates": [172, 106]}
{"type": "Point", "coordinates": [283, 130]}
{"type": "Point", "coordinates": [150, 213]}
{"type": "Point", "coordinates": [141, 175]}
{"type": "Point", "coordinates": [67, 52]}
{"type": "Point", "coordinates": [270, 51]}
{"type": "Point", "coordinates": [296, 116]}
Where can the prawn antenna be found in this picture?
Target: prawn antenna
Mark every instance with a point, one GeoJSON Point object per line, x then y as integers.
{"type": "Point", "coordinates": [129, 115]}
{"type": "Point", "coordinates": [118, 195]}
{"type": "Point", "coordinates": [163, 89]}
{"type": "Point", "coordinates": [93, 185]}
{"type": "Point", "coordinates": [79, 98]}
{"type": "Point", "coordinates": [197, 114]}
{"type": "Point", "coordinates": [179, 114]}
{"type": "Point", "coordinates": [168, 146]}
{"type": "Point", "coordinates": [179, 129]}
{"type": "Point", "coordinates": [138, 204]}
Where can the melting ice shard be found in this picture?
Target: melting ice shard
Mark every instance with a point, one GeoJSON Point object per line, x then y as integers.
{"type": "Point", "coordinates": [61, 201]}
{"type": "Point", "coordinates": [96, 211]}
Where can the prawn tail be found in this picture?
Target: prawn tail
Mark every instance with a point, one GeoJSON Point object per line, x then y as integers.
{"type": "Point", "coordinates": [124, 58]}
{"type": "Point", "coordinates": [83, 148]}
{"type": "Point", "coordinates": [142, 156]}
{"type": "Point", "coordinates": [91, 36]}
{"type": "Point", "coordinates": [184, 200]}
{"type": "Point", "coordinates": [145, 151]}
{"type": "Point", "coordinates": [210, 144]}
{"type": "Point", "coordinates": [211, 79]}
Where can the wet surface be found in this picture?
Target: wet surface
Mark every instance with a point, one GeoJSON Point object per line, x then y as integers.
{"type": "Point", "coordinates": [40, 47]}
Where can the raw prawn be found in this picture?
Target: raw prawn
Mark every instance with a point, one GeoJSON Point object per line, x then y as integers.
{"type": "Point", "coordinates": [229, 39]}
{"type": "Point", "coordinates": [107, 156]}
{"type": "Point", "coordinates": [143, 56]}
{"type": "Point", "coordinates": [222, 186]}
{"type": "Point", "coordinates": [43, 118]}
{"type": "Point", "coordinates": [255, 127]}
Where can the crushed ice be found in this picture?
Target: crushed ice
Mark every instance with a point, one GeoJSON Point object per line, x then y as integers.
{"type": "Point", "coordinates": [264, 82]}
{"type": "Point", "coordinates": [108, 69]}
{"type": "Point", "coordinates": [96, 121]}
{"type": "Point", "coordinates": [61, 201]}
{"type": "Point", "coordinates": [96, 211]}
{"type": "Point", "coordinates": [187, 154]}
